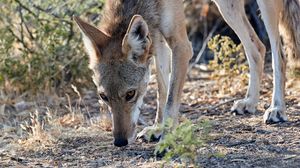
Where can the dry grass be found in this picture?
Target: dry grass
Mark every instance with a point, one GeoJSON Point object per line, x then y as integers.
{"type": "Point", "coordinates": [36, 136]}
{"type": "Point", "coordinates": [38, 124]}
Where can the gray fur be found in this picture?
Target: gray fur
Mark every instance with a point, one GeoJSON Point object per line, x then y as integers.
{"type": "Point", "coordinates": [290, 31]}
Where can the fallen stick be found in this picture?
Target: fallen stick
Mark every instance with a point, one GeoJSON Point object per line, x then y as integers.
{"type": "Point", "coordinates": [210, 108]}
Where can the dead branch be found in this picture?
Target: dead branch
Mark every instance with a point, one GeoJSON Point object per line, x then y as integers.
{"type": "Point", "coordinates": [200, 54]}
{"type": "Point", "coordinates": [211, 107]}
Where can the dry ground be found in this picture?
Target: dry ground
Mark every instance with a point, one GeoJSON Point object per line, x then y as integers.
{"type": "Point", "coordinates": [71, 133]}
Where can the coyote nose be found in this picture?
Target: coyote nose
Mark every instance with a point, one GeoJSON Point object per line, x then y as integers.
{"type": "Point", "coordinates": [120, 142]}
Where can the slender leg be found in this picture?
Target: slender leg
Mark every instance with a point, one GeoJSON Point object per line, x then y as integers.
{"type": "Point", "coordinates": [174, 30]}
{"type": "Point", "coordinates": [234, 14]}
{"type": "Point", "coordinates": [271, 14]}
{"type": "Point", "coordinates": [162, 62]}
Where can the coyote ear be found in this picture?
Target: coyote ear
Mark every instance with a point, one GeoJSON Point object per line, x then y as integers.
{"type": "Point", "coordinates": [93, 39]}
{"type": "Point", "coordinates": [137, 41]}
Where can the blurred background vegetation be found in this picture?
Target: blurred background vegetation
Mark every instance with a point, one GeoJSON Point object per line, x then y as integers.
{"type": "Point", "coordinates": [41, 49]}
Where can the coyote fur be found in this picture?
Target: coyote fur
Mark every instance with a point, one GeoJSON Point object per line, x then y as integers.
{"type": "Point", "coordinates": [120, 52]}
{"type": "Point", "coordinates": [281, 17]}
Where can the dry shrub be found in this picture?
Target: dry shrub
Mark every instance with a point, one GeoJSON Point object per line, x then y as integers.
{"type": "Point", "coordinates": [103, 123]}
{"type": "Point", "coordinates": [71, 120]}
{"type": "Point", "coordinates": [36, 135]}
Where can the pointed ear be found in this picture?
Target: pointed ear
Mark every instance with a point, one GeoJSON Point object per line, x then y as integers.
{"type": "Point", "coordinates": [93, 39]}
{"type": "Point", "coordinates": [137, 41]}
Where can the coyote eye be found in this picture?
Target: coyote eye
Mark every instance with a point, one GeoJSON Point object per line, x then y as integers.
{"type": "Point", "coordinates": [130, 95]}
{"type": "Point", "coordinates": [103, 97]}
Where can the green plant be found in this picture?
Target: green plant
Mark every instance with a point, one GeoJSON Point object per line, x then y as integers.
{"type": "Point", "coordinates": [39, 47]}
{"type": "Point", "coordinates": [230, 63]}
{"type": "Point", "coordinates": [183, 141]}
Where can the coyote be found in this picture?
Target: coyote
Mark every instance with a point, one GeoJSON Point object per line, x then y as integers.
{"type": "Point", "coordinates": [131, 31]}
{"type": "Point", "coordinates": [281, 17]}
{"type": "Point", "coordinates": [120, 52]}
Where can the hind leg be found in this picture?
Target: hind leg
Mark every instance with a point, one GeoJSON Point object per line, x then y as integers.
{"type": "Point", "coordinates": [270, 14]}
{"type": "Point", "coordinates": [234, 14]}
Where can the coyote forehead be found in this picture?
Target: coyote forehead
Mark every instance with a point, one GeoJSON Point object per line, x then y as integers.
{"type": "Point", "coordinates": [118, 76]}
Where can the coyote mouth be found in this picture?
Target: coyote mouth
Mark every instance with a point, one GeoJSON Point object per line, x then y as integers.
{"type": "Point", "coordinates": [132, 139]}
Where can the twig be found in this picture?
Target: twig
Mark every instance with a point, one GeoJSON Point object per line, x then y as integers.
{"type": "Point", "coordinates": [243, 142]}
{"type": "Point", "coordinates": [24, 23]}
{"type": "Point", "coordinates": [39, 8]}
{"type": "Point", "coordinates": [211, 107]}
{"type": "Point", "coordinates": [20, 40]}
{"type": "Point", "coordinates": [238, 160]}
{"type": "Point", "coordinates": [21, 25]}
{"type": "Point", "coordinates": [71, 34]}
{"type": "Point", "coordinates": [26, 8]}
{"type": "Point", "coordinates": [224, 103]}
{"type": "Point", "coordinates": [200, 54]}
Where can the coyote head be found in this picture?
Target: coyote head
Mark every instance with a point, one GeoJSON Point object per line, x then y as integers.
{"type": "Point", "coordinates": [121, 72]}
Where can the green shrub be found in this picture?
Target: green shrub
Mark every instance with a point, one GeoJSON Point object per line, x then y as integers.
{"type": "Point", "coordinates": [230, 64]}
{"type": "Point", "coordinates": [39, 44]}
{"type": "Point", "coordinates": [183, 141]}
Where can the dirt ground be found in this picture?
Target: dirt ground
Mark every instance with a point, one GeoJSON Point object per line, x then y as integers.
{"type": "Point", "coordinates": [73, 134]}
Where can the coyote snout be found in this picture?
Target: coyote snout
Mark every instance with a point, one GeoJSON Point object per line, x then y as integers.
{"type": "Point", "coordinates": [122, 86]}
{"type": "Point", "coordinates": [124, 122]}
{"type": "Point", "coordinates": [124, 94]}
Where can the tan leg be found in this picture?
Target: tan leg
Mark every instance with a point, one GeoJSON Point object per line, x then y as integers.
{"type": "Point", "coordinates": [234, 13]}
{"type": "Point", "coordinates": [174, 30]}
{"type": "Point", "coordinates": [162, 62]}
{"type": "Point", "coordinates": [271, 14]}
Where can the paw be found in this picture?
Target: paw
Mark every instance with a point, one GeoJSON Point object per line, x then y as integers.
{"type": "Point", "coordinates": [243, 106]}
{"type": "Point", "coordinates": [150, 134]}
{"type": "Point", "coordinates": [275, 115]}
